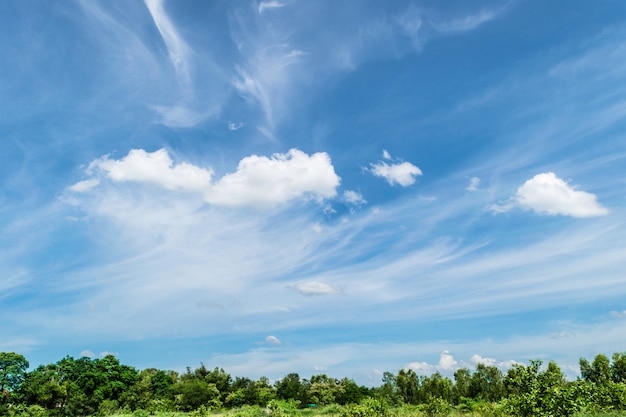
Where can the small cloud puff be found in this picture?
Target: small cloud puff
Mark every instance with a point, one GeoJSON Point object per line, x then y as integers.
{"type": "Point", "coordinates": [548, 194]}
{"type": "Point", "coordinates": [352, 197]}
{"type": "Point", "coordinates": [235, 126]}
{"type": "Point", "coordinates": [272, 340]}
{"type": "Point", "coordinates": [87, 354]}
{"type": "Point", "coordinates": [401, 173]}
{"type": "Point", "coordinates": [316, 288]}
{"type": "Point", "coordinates": [473, 185]}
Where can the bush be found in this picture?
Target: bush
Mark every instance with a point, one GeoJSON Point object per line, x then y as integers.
{"type": "Point", "coordinates": [437, 407]}
{"type": "Point", "coordinates": [28, 411]}
{"type": "Point", "coordinates": [369, 407]}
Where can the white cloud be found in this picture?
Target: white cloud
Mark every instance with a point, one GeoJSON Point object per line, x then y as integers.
{"type": "Point", "coordinates": [549, 195]}
{"type": "Point", "coordinates": [156, 168]}
{"type": "Point", "coordinates": [474, 183]}
{"type": "Point", "coordinates": [386, 154]}
{"type": "Point", "coordinates": [272, 340]}
{"type": "Point", "coordinates": [87, 354]}
{"type": "Point", "coordinates": [447, 361]}
{"type": "Point", "coordinates": [476, 359]}
{"type": "Point", "coordinates": [271, 4]}
{"type": "Point", "coordinates": [235, 126]}
{"type": "Point", "coordinates": [258, 181]}
{"type": "Point", "coordinates": [263, 181]}
{"type": "Point", "coordinates": [316, 288]}
{"type": "Point", "coordinates": [353, 197]}
{"type": "Point", "coordinates": [180, 116]}
{"type": "Point", "coordinates": [402, 173]}
{"type": "Point", "coordinates": [619, 314]}
{"type": "Point", "coordinates": [83, 186]}
{"type": "Point", "coordinates": [465, 23]}
{"type": "Point", "coordinates": [560, 335]}
{"type": "Point", "coordinates": [176, 46]}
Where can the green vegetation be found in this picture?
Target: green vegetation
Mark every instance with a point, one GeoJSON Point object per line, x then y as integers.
{"type": "Point", "coordinates": [105, 387]}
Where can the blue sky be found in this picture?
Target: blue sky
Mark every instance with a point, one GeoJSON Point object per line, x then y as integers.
{"type": "Point", "coordinates": [314, 187]}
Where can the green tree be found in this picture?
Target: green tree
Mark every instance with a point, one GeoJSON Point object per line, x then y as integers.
{"type": "Point", "coordinates": [13, 368]}
{"type": "Point", "coordinates": [389, 391]}
{"type": "Point", "coordinates": [598, 372]}
{"type": "Point", "coordinates": [486, 383]}
{"type": "Point", "coordinates": [408, 385]}
{"type": "Point", "coordinates": [618, 367]}
{"type": "Point", "coordinates": [462, 382]}
{"type": "Point", "coordinates": [437, 386]}
{"type": "Point", "coordinates": [533, 393]}
{"type": "Point", "coordinates": [191, 393]}
{"type": "Point", "coordinates": [323, 390]}
{"type": "Point", "coordinates": [291, 387]}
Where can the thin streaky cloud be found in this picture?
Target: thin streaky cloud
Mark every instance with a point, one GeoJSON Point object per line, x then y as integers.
{"type": "Point", "coordinates": [179, 51]}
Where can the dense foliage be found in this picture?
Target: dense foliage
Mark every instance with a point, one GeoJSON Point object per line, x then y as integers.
{"type": "Point", "coordinates": [99, 387]}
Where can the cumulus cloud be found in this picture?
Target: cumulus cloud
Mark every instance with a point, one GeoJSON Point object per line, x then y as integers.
{"type": "Point", "coordinates": [316, 288]}
{"type": "Point", "coordinates": [548, 194]}
{"type": "Point", "coordinates": [259, 181]}
{"type": "Point", "coordinates": [263, 181]}
{"type": "Point", "coordinates": [401, 173]}
{"type": "Point", "coordinates": [156, 168]}
{"type": "Point", "coordinates": [446, 363]}
{"type": "Point", "coordinates": [474, 183]}
{"type": "Point", "coordinates": [272, 340]}
{"type": "Point", "coordinates": [476, 359]}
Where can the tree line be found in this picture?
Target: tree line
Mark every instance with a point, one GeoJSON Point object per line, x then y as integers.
{"type": "Point", "coordinates": [99, 387]}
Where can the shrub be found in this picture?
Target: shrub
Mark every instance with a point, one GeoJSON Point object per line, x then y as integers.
{"type": "Point", "coordinates": [437, 407]}
{"type": "Point", "coordinates": [369, 407]}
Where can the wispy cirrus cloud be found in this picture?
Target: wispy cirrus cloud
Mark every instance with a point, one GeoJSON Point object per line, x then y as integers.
{"type": "Point", "coordinates": [177, 48]}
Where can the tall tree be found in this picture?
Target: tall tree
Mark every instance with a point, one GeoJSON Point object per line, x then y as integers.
{"type": "Point", "coordinates": [13, 368]}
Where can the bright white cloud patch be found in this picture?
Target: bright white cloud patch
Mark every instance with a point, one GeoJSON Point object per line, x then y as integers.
{"type": "Point", "coordinates": [272, 340]}
{"type": "Point", "coordinates": [446, 363]}
{"type": "Point", "coordinates": [259, 181]}
{"type": "Point", "coordinates": [316, 288]}
{"type": "Point", "coordinates": [401, 173]}
{"type": "Point", "coordinates": [548, 194]}
{"type": "Point", "coordinates": [263, 181]}
{"type": "Point", "coordinates": [156, 168]}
